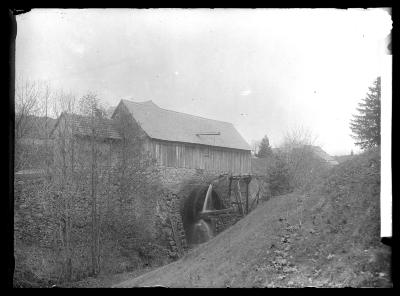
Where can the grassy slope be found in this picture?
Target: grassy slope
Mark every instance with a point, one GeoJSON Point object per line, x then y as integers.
{"type": "Point", "coordinates": [328, 237]}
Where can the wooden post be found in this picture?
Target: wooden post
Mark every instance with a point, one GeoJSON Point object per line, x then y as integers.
{"type": "Point", "coordinates": [247, 197]}
{"type": "Point", "coordinates": [176, 236]}
{"type": "Point", "coordinates": [239, 198]}
{"type": "Point", "coordinates": [247, 180]}
{"type": "Point", "coordinates": [230, 188]}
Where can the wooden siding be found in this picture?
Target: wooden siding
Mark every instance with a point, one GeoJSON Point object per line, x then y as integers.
{"type": "Point", "coordinates": [202, 157]}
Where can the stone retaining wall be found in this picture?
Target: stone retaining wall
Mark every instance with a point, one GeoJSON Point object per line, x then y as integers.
{"type": "Point", "coordinates": [169, 224]}
{"type": "Point", "coordinates": [32, 219]}
{"type": "Point", "coordinates": [33, 222]}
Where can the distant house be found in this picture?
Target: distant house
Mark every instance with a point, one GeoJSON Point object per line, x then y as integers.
{"type": "Point", "coordinates": [72, 137]}
{"type": "Point", "coordinates": [316, 150]}
{"type": "Point", "coordinates": [181, 140]}
{"type": "Point", "coordinates": [82, 126]}
{"type": "Point", "coordinates": [343, 158]}
{"type": "Point", "coordinates": [32, 142]}
{"type": "Point", "coordinates": [36, 128]}
{"type": "Point", "coordinates": [323, 155]}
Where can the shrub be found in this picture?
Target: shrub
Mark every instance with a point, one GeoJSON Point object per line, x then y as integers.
{"type": "Point", "coordinates": [278, 176]}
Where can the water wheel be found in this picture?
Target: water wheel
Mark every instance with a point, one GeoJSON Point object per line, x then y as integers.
{"type": "Point", "coordinates": [197, 228]}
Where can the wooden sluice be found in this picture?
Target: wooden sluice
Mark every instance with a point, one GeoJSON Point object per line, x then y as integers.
{"type": "Point", "coordinates": [240, 203]}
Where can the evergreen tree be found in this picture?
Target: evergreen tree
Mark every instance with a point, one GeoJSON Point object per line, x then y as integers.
{"type": "Point", "coordinates": [264, 149]}
{"type": "Point", "coordinates": [366, 126]}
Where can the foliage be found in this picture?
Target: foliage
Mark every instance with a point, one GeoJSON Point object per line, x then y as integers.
{"type": "Point", "coordinates": [97, 197]}
{"type": "Point", "coordinates": [366, 125]}
{"type": "Point", "coordinates": [304, 167]}
{"type": "Point", "coordinates": [295, 165]}
{"type": "Point", "coordinates": [264, 149]}
{"type": "Point", "coordinates": [353, 194]}
{"type": "Point", "coordinates": [278, 176]}
{"type": "Point", "coordinates": [31, 101]}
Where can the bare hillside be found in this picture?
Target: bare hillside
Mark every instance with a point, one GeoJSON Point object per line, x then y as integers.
{"type": "Point", "coordinates": [328, 237]}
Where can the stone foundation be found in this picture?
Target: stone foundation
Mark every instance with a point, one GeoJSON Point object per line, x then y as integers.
{"type": "Point", "coordinates": [169, 224]}
{"type": "Point", "coordinates": [164, 215]}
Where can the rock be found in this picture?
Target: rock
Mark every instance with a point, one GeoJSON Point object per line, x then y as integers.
{"type": "Point", "coordinates": [330, 256]}
{"type": "Point", "coordinates": [167, 231]}
{"type": "Point", "coordinates": [289, 269]}
{"type": "Point", "coordinates": [282, 261]}
{"type": "Point", "coordinates": [270, 285]}
{"type": "Point", "coordinates": [259, 279]}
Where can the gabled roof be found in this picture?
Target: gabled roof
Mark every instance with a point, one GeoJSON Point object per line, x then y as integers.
{"type": "Point", "coordinates": [175, 126]}
{"type": "Point", "coordinates": [322, 154]}
{"type": "Point", "coordinates": [81, 126]}
{"type": "Point", "coordinates": [36, 126]}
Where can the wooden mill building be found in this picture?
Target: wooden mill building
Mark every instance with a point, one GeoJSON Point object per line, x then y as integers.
{"type": "Point", "coordinates": [181, 140]}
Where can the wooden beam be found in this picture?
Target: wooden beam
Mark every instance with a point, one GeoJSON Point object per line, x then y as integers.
{"type": "Point", "coordinates": [209, 134]}
{"type": "Point", "coordinates": [230, 189]}
{"type": "Point", "coordinates": [214, 213]}
{"type": "Point", "coordinates": [239, 197]}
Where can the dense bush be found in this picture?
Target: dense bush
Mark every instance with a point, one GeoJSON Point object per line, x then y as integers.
{"type": "Point", "coordinates": [278, 176]}
{"type": "Point", "coordinates": [353, 195]}
{"type": "Point", "coordinates": [29, 155]}
{"type": "Point", "coordinates": [97, 196]}
{"type": "Point", "coordinates": [126, 241]}
{"type": "Point", "coordinates": [295, 169]}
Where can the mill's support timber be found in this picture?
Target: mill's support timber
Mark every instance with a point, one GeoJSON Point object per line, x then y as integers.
{"type": "Point", "coordinates": [215, 213]}
{"type": "Point", "coordinates": [247, 180]}
{"type": "Point", "coordinates": [238, 196]}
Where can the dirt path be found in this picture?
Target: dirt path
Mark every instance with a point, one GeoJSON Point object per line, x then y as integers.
{"type": "Point", "coordinates": [106, 281]}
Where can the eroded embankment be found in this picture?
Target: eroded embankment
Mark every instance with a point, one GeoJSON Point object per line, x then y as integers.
{"type": "Point", "coordinates": [326, 238]}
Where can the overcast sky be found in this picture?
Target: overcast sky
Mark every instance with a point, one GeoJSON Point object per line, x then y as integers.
{"type": "Point", "coordinates": [266, 71]}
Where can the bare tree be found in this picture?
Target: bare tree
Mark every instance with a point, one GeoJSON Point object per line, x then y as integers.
{"type": "Point", "coordinates": [254, 146]}
{"type": "Point", "coordinates": [64, 179]}
{"type": "Point", "coordinates": [27, 95]}
{"type": "Point", "coordinates": [298, 137]}
{"type": "Point", "coordinates": [32, 100]}
{"type": "Point", "coordinates": [297, 152]}
{"type": "Point", "coordinates": [90, 179]}
{"type": "Point", "coordinates": [89, 106]}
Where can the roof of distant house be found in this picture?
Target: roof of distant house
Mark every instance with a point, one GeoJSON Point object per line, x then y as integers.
{"type": "Point", "coordinates": [317, 150]}
{"type": "Point", "coordinates": [82, 126]}
{"type": "Point", "coordinates": [37, 126]}
{"type": "Point", "coordinates": [322, 154]}
{"type": "Point", "coordinates": [162, 124]}
{"type": "Point", "coordinates": [342, 158]}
